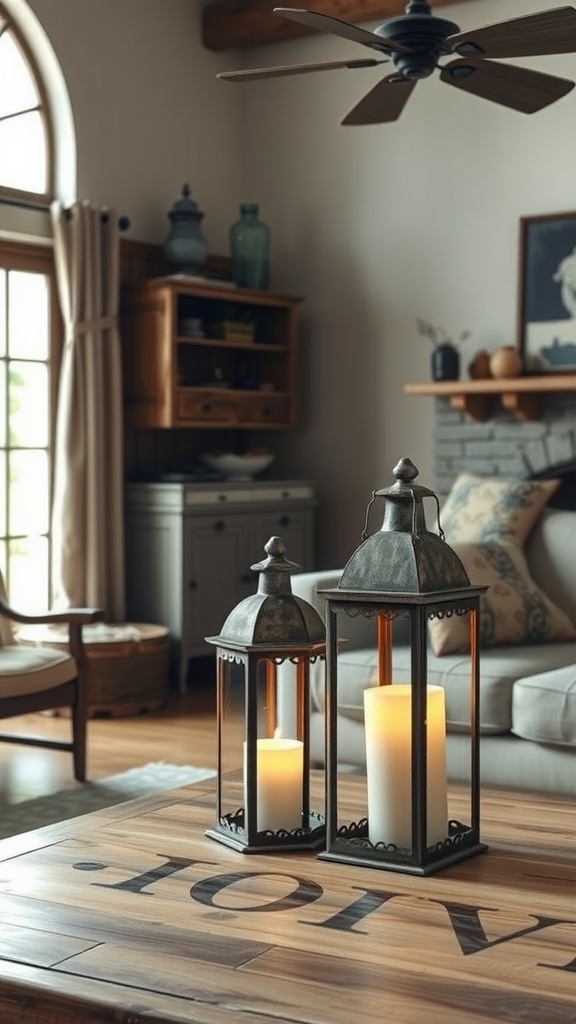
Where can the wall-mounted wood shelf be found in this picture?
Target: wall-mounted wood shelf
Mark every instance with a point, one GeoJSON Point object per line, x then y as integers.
{"type": "Point", "coordinates": [519, 395]}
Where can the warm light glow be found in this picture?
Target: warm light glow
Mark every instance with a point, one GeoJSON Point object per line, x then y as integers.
{"type": "Point", "coordinates": [388, 729]}
{"type": "Point", "coordinates": [279, 780]}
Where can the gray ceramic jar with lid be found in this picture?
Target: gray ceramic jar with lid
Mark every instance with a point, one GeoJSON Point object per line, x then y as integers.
{"type": "Point", "coordinates": [185, 249]}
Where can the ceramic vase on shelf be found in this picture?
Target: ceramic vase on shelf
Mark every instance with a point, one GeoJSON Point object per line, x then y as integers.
{"type": "Point", "coordinates": [185, 249]}
{"type": "Point", "coordinates": [479, 366]}
{"type": "Point", "coordinates": [505, 362]}
{"type": "Point", "coordinates": [250, 249]}
{"type": "Point", "coordinates": [445, 362]}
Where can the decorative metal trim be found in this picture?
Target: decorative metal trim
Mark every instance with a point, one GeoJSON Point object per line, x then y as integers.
{"type": "Point", "coordinates": [447, 613]}
{"type": "Point", "coordinates": [297, 659]}
{"type": "Point", "coordinates": [353, 613]}
{"type": "Point", "coordinates": [352, 838]}
{"type": "Point", "coordinates": [234, 824]}
{"type": "Point", "coordinates": [236, 659]}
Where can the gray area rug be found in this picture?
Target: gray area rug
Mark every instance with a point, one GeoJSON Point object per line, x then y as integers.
{"type": "Point", "coordinates": [92, 796]}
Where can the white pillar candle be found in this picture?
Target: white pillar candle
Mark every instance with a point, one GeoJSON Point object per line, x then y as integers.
{"type": "Point", "coordinates": [279, 775]}
{"type": "Point", "coordinates": [388, 728]}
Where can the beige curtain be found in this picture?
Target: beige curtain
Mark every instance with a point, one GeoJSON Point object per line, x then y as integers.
{"type": "Point", "coordinates": [87, 506]}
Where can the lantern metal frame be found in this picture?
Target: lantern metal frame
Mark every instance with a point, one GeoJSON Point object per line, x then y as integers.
{"type": "Point", "coordinates": [350, 843]}
{"type": "Point", "coordinates": [239, 829]}
{"type": "Point", "coordinates": [262, 632]}
{"type": "Point", "coordinates": [403, 570]}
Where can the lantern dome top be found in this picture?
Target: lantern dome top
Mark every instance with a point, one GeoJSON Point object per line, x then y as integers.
{"type": "Point", "coordinates": [274, 616]}
{"type": "Point", "coordinates": [404, 556]}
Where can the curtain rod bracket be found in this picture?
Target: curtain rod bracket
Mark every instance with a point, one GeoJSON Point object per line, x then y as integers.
{"type": "Point", "coordinates": [30, 204]}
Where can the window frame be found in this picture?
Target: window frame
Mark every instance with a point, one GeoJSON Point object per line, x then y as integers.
{"type": "Point", "coordinates": [37, 258]}
{"type": "Point", "coordinates": [22, 197]}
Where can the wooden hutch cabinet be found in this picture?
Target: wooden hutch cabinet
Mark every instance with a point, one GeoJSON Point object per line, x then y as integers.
{"type": "Point", "coordinates": [208, 355]}
{"type": "Point", "coordinates": [205, 363]}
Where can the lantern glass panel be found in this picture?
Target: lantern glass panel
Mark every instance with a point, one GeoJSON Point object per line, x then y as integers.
{"type": "Point", "coordinates": [232, 704]}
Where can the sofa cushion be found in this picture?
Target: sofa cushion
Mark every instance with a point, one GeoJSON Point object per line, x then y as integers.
{"type": "Point", "coordinates": [488, 508]}
{"type": "Point", "coordinates": [544, 707]}
{"type": "Point", "coordinates": [500, 668]}
{"type": "Point", "coordinates": [551, 554]}
{"type": "Point", "coordinates": [513, 610]}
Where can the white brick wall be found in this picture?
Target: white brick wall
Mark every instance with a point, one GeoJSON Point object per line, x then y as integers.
{"type": "Point", "coordinates": [503, 445]}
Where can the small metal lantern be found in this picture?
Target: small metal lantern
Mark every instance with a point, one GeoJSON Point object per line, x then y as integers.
{"type": "Point", "coordinates": [260, 633]}
{"type": "Point", "coordinates": [403, 574]}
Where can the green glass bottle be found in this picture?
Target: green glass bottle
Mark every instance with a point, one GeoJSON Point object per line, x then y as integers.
{"type": "Point", "coordinates": [250, 249]}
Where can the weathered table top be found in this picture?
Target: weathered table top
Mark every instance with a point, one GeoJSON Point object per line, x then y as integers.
{"type": "Point", "coordinates": [133, 916]}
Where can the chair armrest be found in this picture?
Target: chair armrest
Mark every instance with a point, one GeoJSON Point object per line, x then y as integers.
{"type": "Point", "coordinates": [73, 616]}
{"type": "Point", "coordinates": [76, 618]}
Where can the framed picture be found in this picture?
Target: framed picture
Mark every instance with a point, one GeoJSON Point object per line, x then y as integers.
{"type": "Point", "coordinates": [547, 293]}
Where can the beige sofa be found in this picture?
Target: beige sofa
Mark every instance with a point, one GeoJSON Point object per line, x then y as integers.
{"type": "Point", "coordinates": [528, 693]}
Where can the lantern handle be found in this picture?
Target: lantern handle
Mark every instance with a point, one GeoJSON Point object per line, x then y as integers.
{"type": "Point", "coordinates": [431, 494]}
{"type": "Point", "coordinates": [440, 530]}
{"type": "Point", "coordinates": [365, 534]}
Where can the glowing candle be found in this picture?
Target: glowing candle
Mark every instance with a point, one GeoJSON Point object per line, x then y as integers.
{"type": "Point", "coordinates": [388, 729]}
{"type": "Point", "coordinates": [279, 775]}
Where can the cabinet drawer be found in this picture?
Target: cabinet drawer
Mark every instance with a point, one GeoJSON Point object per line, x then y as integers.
{"type": "Point", "coordinates": [265, 408]}
{"type": "Point", "coordinates": [206, 406]}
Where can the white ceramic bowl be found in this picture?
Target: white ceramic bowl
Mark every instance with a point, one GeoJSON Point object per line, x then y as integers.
{"type": "Point", "coordinates": [238, 467]}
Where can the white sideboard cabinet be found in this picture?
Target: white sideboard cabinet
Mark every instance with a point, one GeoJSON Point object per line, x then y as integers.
{"type": "Point", "coordinates": [189, 548]}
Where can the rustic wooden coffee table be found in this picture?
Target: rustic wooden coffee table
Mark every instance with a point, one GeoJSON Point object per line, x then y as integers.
{"type": "Point", "coordinates": [132, 916]}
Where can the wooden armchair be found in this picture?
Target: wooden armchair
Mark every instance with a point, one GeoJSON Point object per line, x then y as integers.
{"type": "Point", "coordinates": [35, 678]}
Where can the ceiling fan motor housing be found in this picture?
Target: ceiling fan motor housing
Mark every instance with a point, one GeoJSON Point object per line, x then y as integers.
{"type": "Point", "coordinates": [424, 36]}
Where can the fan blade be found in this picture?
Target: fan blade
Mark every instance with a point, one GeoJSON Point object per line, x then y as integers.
{"type": "Point", "coordinates": [297, 69]}
{"type": "Point", "coordinates": [519, 88]}
{"type": "Point", "coordinates": [548, 32]}
{"type": "Point", "coordinates": [385, 102]}
{"type": "Point", "coordinates": [324, 23]}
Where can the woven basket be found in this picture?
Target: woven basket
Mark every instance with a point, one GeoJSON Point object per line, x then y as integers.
{"type": "Point", "coordinates": [128, 665]}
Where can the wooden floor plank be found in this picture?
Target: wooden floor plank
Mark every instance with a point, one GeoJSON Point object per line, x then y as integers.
{"type": "Point", "coordinates": [182, 732]}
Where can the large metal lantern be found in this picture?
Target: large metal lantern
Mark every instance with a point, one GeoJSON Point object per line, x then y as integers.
{"type": "Point", "coordinates": [401, 577]}
{"type": "Point", "coordinates": [260, 633]}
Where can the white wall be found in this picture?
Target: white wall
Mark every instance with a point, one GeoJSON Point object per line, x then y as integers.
{"type": "Point", "coordinates": [374, 226]}
{"type": "Point", "coordinates": [379, 225]}
{"type": "Point", "coordinates": [148, 110]}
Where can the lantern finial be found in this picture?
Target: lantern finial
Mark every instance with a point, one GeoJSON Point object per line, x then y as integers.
{"type": "Point", "coordinates": [274, 615]}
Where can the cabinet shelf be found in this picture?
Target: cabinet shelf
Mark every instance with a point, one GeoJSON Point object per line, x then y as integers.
{"type": "Point", "coordinates": [216, 392]}
{"type": "Point", "coordinates": [250, 346]}
{"type": "Point", "coordinates": [518, 395]}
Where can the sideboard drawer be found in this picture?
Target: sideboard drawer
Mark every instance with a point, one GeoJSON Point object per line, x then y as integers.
{"type": "Point", "coordinates": [265, 408]}
{"type": "Point", "coordinates": [208, 406]}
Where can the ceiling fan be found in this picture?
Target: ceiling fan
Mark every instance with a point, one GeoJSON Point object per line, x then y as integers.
{"type": "Point", "coordinates": [417, 40]}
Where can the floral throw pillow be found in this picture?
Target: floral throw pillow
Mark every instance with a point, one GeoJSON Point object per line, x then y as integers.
{"type": "Point", "coordinates": [512, 611]}
{"type": "Point", "coordinates": [486, 508]}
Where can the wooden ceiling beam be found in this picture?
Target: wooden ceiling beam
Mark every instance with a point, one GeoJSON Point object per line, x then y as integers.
{"type": "Point", "coordinates": [243, 24]}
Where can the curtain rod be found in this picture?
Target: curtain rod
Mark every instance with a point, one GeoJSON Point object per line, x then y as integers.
{"type": "Point", "coordinates": [29, 204]}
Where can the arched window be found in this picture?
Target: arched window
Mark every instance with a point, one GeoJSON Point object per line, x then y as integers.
{"type": "Point", "coordinates": [30, 325]}
{"type": "Point", "coordinates": [25, 135]}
